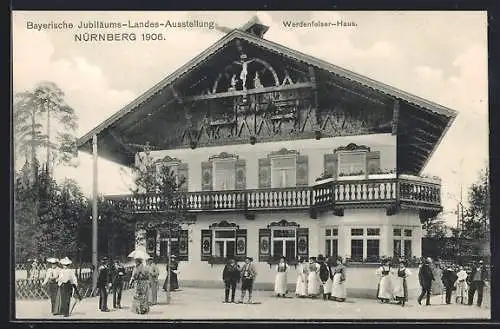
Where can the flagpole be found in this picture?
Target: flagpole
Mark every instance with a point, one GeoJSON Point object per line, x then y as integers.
{"type": "Point", "coordinates": [94, 211]}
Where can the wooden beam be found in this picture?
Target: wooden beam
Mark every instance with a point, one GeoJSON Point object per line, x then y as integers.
{"type": "Point", "coordinates": [395, 117]}
{"type": "Point", "coordinates": [424, 121]}
{"type": "Point", "coordinates": [426, 133]}
{"type": "Point", "coordinates": [373, 100]}
{"type": "Point", "coordinates": [120, 141]}
{"type": "Point", "coordinates": [418, 155]}
{"type": "Point", "coordinates": [148, 116]}
{"type": "Point", "coordinates": [251, 91]}
{"type": "Point", "coordinates": [95, 196]}
{"type": "Point", "coordinates": [423, 141]}
{"type": "Point", "coordinates": [312, 75]}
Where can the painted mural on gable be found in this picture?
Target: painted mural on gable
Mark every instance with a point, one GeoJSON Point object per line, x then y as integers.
{"type": "Point", "coordinates": [250, 94]}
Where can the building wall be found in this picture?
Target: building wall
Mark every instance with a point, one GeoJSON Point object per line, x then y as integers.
{"type": "Point", "coordinates": [314, 149]}
{"type": "Point", "coordinates": [361, 278]}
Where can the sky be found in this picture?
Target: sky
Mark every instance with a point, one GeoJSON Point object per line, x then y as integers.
{"type": "Point", "coordinates": [440, 56]}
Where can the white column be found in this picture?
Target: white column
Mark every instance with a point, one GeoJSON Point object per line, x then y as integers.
{"type": "Point", "coordinates": [95, 215]}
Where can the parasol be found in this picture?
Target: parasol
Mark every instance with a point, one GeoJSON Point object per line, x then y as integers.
{"type": "Point", "coordinates": [139, 254]}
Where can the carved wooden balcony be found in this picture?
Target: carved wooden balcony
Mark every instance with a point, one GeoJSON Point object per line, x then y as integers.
{"type": "Point", "coordinates": [329, 194]}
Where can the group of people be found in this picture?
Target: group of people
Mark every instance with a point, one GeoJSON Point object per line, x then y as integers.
{"type": "Point", "coordinates": [452, 278]}
{"type": "Point", "coordinates": [434, 280]}
{"type": "Point", "coordinates": [316, 277]}
{"type": "Point", "coordinates": [62, 284]}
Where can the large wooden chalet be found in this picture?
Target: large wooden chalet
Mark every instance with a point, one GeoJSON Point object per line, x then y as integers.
{"type": "Point", "coordinates": [284, 154]}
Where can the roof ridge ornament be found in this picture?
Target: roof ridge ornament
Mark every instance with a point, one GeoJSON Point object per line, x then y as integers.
{"type": "Point", "coordinates": [254, 26]}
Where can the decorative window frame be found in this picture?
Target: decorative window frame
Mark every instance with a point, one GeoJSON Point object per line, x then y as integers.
{"type": "Point", "coordinates": [223, 157]}
{"type": "Point", "coordinates": [283, 154]}
{"type": "Point", "coordinates": [331, 237]}
{"type": "Point", "coordinates": [172, 163]}
{"type": "Point", "coordinates": [240, 242]}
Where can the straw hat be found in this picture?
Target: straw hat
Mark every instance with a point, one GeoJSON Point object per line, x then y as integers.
{"type": "Point", "coordinates": [65, 261]}
{"type": "Point", "coordinates": [52, 260]}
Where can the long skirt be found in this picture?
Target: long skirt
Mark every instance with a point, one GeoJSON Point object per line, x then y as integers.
{"type": "Point", "coordinates": [339, 289]}
{"type": "Point", "coordinates": [153, 292]}
{"type": "Point", "coordinates": [400, 289]}
{"type": "Point", "coordinates": [313, 284]}
{"type": "Point", "coordinates": [66, 290]}
{"type": "Point", "coordinates": [328, 286]}
{"type": "Point", "coordinates": [384, 289]}
{"type": "Point", "coordinates": [174, 283]}
{"type": "Point", "coordinates": [437, 287]}
{"type": "Point", "coordinates": [52, 290]}
{"type": "Point", "coordinates": [140, 304]}
{"type": "Point", "coordinates": [462, 289]}
{"type": "Point", "coordinates": [301, 286]}
{"type": "Point", "coordinates": [280, 283]}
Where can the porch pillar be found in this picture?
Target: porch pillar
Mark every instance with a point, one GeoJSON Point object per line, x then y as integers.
{"type": "Point", "coordinates": [94, 211]}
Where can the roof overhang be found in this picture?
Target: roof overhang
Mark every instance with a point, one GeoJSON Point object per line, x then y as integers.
{"type": "Point", "coordinates": [160, 95]}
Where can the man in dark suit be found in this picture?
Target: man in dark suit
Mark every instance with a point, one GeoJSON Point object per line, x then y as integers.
{"type": "Point", "coordinates": [449, 278]}
{"type": "Point", "coordinates": [118, 274]}
{"type": "Point", "coordinates": [103, 284]}
{"type": "Point", "coordinates": [477, 279]}
{"type": "Point", "coordinates": [326, 277]}
{"type": "Point", "coordinates": [231, 276]}
{"type": "Point", "coordinates": [425, 278]}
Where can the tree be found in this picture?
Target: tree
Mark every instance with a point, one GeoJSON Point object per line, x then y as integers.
{"type": "Point", "coordinates": [476, 215]}
{"type": "Point", "coordinates": [153, 178]}
{"type": "Point", "coordinates": [31, 136]}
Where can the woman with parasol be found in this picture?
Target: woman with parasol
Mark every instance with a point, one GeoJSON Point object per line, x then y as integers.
{"type": "Point", "coordinates": [141, 277]}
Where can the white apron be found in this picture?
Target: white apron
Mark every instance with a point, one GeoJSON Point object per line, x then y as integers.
{"type": "Point", "coordinates": [280, 283]}
{"type": "Point", "coordinates": [313, 280]}
{"type": "Point", "coordinates": [301, 286]}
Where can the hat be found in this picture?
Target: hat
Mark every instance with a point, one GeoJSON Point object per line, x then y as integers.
{"type": "Point", "coordinates": [52, 260]}
{"type": "Point", "coordinates": [65, 261]}
{"type": "Point", "coordinates": [429, 260]}
{"type": "Point", "coordinates": [321, 258]}
{"type": "Point", "coordinates": [480, 262]}
{"type": "Point", "coordinates": [249, 258]}
{"type": "Point", "coordinates": [104, 259]}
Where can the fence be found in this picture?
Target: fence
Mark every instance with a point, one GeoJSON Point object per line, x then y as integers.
{"type": "Point", "coordinates": [32, 288]}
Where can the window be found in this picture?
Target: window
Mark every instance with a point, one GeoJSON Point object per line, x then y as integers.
{"type": "Point", "coordinates": [224, 243]}
{"type": "Point", "coordinates": [173, 169]}
{"type": "Point", "coordinates": [357, 250]}
{"type": "Point", "coordinates": [283, 172]}
{"type": "Point", "coordinates": [225, 175]}
{"type": "Point", "coordinates": [365, 246]}
{"type": "Point", "coordinates": [351, 163]}
{"type": "Point", "coordinates": [283, 243]}
{"type": "Point", "coordinates": [357, 231]}
{"type": "Point", "coordinates": [174, 247]}
{"type": "Point", "coordinates": [402, 243]}
{"type": "Point", "coordinates": [331, 242]}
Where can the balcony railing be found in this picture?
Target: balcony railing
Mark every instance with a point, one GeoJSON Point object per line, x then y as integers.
{"type": "Point", "coordinates": [406, 192]}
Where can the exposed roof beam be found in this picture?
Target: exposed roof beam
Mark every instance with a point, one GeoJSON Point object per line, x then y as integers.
{"type": "Point", "coordinates": [426, 133]}
{"type": "Point", "coordinates": [120, 141]}
{"type": "Point", "coordinates": [424, 121]}
{"type": "Point", "coordinates": [333, 84]}
{"type": "Point", "coordinates": [149, 115]}
{"type": "Point", "coordinates": [395, 117]}
{"type": "Point", "coordinates": [423, 141]}
{"type": "Point", "coordinates": [251, 91]}
{"type": "Point", "coordinates": [416, 154]}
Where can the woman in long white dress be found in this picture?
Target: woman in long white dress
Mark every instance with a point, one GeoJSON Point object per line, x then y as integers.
{"type": "Point", "coordinates": [339, 292]}
{"type": "Point", "coordinates": [281, 282]}
{"type": "Point", "coordinates": [462, 286]}
{"type": "Point", "coordinates": [302, 273]}
{"type": "Point", "coordinates": [313, 278]}
{"type": "Point", "coordinates": [384, 288]}
{"type": "Point", "coordinates": [400, 283]}
{"type": "Point", "coordinates": [437, 287]}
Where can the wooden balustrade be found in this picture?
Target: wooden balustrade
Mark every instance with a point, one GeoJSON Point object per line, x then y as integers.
{"type": "Point", "coordinates": [333, 193]}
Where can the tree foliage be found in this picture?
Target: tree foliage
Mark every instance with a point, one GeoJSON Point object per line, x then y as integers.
{"type": "Point", "coordinates": [476, 216]}
{"type": "Point", "coordinates": [34, 129]}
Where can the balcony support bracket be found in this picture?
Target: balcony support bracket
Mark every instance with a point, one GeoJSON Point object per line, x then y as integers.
{"type": "Point", "coordinates": [392, 210]}
{"type": "Point", "coordinates": [338, 211]}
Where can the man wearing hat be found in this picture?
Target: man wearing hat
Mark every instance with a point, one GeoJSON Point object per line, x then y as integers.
{"type": "Point", "coordinates": [477, 277]}
{"type": "Point", "coordinates": [248, 274]}
{"type": "Point", "coordinates": [117, 278]}
{"type": "Point", "coordinates": [104, 283]}
{"type": "Point", "coordinates": [449, 278]}
{"type": "Point", "coordinates": [51, 280]}
{"type": "Point", "coordinates": [66, 281]}
{"type": "Point", "coordinates": [425, 278]}
{"type": "Point", "coordinates": [326, 277]}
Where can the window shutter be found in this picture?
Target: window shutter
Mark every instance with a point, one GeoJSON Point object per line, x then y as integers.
{"type": "Point", "coordinates": [330, 164]}
{"type": "Point", "coordinates": [302, 242]}
{"type": "Point", "coordinates": [182, 173]}
{"type": "Point", "coordinates": [184, 245]}
{"type": "Point", "coordinates": [302, 171]}
{"type": "Point", "coordinates": [264, 173]}
{"type": "Point", "coordinates": [264, 245]}
{"type": "Point", "coordinates": [373, 162]}
{"type": "Point", "coordinates": [206, 176]}
{"type": "Point", "coordinates": [241, 179]}
{"type": "Point", "coordinates": [241, 244]}
{"type": "Point", "coordinates": [206, 244]}
{"type": "Point", "coordinates": [151, 241]}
